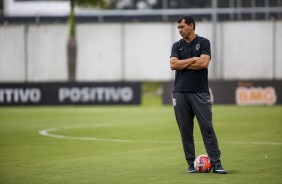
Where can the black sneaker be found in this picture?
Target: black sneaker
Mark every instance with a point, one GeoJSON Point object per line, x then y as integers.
{"type": "Point", "coordinates": [191, 169]}
{"type": "Point", "coordinates": [219, 170]}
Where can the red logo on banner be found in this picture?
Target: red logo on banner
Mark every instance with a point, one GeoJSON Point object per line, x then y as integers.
{"type": "Point", "coordinates": [255, 96]}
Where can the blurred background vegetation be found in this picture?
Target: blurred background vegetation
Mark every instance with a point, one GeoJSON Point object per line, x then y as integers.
{"type": "Point", "coordinates": [152, 93]}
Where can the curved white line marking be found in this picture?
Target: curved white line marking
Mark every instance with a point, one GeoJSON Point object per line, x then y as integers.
{"type": "Point", "coordinates": [47, 133]}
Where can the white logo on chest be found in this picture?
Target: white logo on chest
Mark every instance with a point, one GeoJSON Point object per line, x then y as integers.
{"type": "Point", "coordinates": [197, 46]}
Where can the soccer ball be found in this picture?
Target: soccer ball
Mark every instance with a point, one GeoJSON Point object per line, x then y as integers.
{"type": "Point", "coordinates": [202, 164]}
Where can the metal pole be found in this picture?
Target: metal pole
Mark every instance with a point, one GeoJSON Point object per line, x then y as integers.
{"type": "Point", "coordinates": [215, 74]}
{"type": "Point", "coordinates": [239, 5]}
{"type": "Point", "coordinates": [274, 49]}
{"type": "Point", "coordinates": [253, 4]}
{"type": "Point", "coordinates": [279, 4]}
{"type": "Point", "coordinates": [231, 6]}
{"type": "Point", "coordinates": [100, 18]}
{"type": "Point", "coordinates": [26, 52]}
{"type": "Point", "coordinates": [266, 14]}
{"type": "Point", "coordinates": [122, 49]}
{"type": "Point", "coordinates": [165, 7]}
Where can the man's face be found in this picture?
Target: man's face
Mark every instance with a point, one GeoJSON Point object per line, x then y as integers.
{"type": "Point", "coordinates": [184, 29]}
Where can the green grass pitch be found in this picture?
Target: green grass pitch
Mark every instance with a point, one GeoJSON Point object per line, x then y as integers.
{"type": "Point", "coordinates": [132, 145]}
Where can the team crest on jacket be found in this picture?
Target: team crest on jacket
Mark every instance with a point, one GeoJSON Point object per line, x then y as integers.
{"type": "Point", "coordinates": [198, 46]}
{"type": "Point", "coordinates": [173, 101]}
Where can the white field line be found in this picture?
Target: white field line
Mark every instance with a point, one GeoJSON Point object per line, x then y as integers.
{"type": "Point", "coordinates": [47, 132]}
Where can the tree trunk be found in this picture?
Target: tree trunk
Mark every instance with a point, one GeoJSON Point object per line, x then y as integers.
{"type": "Point", "coordinates": [71, 45]}
{"type": "Point", "coordinates": [71, 51]}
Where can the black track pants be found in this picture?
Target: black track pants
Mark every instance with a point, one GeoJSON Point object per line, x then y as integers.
{"type": "Point", "coordinates": [186, 107]}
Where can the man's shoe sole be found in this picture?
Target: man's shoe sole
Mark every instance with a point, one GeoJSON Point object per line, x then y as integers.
{"type": "Point", "coordinates": [220, 172]}
{"type": "Point", "coordinates": [191, 171]}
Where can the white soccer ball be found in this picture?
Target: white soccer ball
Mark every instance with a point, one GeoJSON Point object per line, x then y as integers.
{"type": "Point", "coordinates": [202, 164]}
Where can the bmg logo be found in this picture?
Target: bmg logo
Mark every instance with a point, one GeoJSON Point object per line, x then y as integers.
{"type": "Point", "coordinates": [256, 96]}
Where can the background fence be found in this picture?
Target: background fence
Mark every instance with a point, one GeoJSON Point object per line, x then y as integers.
{"type": "Point", "coordinates": [136, 51]}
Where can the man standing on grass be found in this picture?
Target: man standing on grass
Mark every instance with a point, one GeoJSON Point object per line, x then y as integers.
{"type": "Point", "coordinates": [190, 59]}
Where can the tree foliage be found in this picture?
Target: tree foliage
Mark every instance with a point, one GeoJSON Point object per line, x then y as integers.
{"type": "Point", "coordinates": [73, 3]}
{"type": "Point", "coordinates": [90, 3]}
